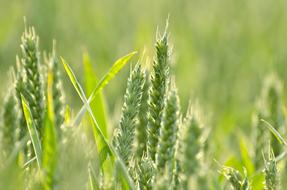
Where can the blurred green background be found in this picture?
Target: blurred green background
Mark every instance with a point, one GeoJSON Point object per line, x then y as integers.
{"type": "Point", "coordinates": [222, 49]}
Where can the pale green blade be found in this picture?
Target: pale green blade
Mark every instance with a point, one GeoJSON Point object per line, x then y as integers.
{"type": "Point", "coordinates": [117, 66]}
{"type": "Point", "coordinates": [50, 152]}
{"type": "Point", "coordinates": [275, 133]}
{"type": "Point", "coordinates": [98, 105]}
{"type": "Point", "coordinates": [32, 131]}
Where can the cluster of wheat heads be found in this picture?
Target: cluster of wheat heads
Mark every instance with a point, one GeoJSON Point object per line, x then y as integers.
{"type": "Point", "coordinates": [42, 147]}
{"type": "Point", "coordinates": [155, 145]}
{"type": "Point", "coordinates": [148, 138]}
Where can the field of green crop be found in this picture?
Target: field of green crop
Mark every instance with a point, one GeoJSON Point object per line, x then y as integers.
{"type": "Point", "coordinates": [130, 94]}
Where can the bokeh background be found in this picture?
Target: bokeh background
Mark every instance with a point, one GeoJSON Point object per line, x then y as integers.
{"type": "Point", "coordinates": [222, 49]}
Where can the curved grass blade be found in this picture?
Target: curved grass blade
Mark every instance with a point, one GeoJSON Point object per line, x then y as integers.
{"type": "Point", "coordinates": [98, 105]}
{"type": "Point", "coordinates": [275, 132]}
{"type": "Point", "coordinates": [32, 131]}
{"type": "Point", "coordinates": [117, 66]}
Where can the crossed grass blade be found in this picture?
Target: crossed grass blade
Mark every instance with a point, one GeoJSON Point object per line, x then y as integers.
{"type": "Point", "coordinates": [114, 156]}
{"type": "Point", "coordinates": [117, 66]}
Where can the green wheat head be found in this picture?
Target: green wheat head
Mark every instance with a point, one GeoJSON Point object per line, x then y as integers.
{"type": "Point", "coordinates": [190, 143]}
{"type": "Point", "coordinates": [124, 134]}
{"type": "Point", "coordinates": [34, 92]}
{"type": "Point", "coordinates": [58, 93]}
{"type": "Point", "coordinates": [146, 171]}
{"type": "Point", "coordinates": [168, 131]}
{"type": "Point", "coordinates": [158, 88]}
{"type": "Point", "coordinates": [236, 179]}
